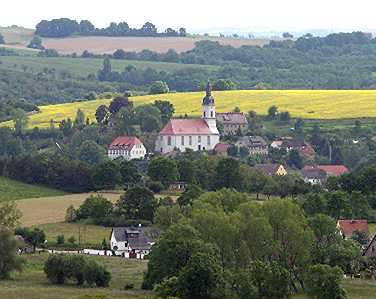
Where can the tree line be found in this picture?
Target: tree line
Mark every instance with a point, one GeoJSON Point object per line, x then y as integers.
{"type": "Point", "coordinates": [65, 27]}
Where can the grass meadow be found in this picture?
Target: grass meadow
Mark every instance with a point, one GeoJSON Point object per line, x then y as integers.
{"type": "Point", "coordinates": [335, 107]}
{"type": "Point", "coordinates": [14, 190]}
{"type": "Point", "coordinates": [32, 282]}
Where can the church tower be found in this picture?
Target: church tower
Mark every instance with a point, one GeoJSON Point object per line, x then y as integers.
{"type": "Point", "coordinates": [208, 109]}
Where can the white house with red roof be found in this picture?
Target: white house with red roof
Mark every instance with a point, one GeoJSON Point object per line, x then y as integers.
{"type": "Point", "coordinates": [196, 134]}
{"type": "Point", "coordinates": [128, 147]}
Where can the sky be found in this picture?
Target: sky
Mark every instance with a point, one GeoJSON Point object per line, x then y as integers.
{"type": "Point", "coordinates": [200, 15]}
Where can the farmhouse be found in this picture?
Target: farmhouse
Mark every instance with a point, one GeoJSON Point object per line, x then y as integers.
{"type": "Point", "coordinates": [221, 148]}
{"type": "Point", "coordinates": [195, 134]}
{"type": "Point", "coordinates": [289, 144]}
{"type": "Point", "coordinates": [255, 144]}
{"type": "Point", "coordinates": [330, 170]}
{"type": "Point", "coordinates": [348, 227]}
{"type": "Point", "coordinates": [314, 176]}
{"type": "Point", "coordinates": [130, 242]}
{"type": "Point", "coordinates": [272, 169]}
{"type": "Point", "coordinates": [232, 122]}
{"type": "Point", "coordinates": [128, 147]}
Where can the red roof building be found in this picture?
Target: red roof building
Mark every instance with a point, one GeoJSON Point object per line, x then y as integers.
{"type": "Point", "coordinates": [128, 147]}
{"type": "Point", "coordinates": [185, 127]}
{"type": "Point", "coordinates": [348, 227]}
{"type": "Point", "coordinates": [221, 148]}
{"type": "Point", "coordinates": [330, 170]}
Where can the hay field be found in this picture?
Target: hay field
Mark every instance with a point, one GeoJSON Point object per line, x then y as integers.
{"type": "Point", "coordinates": [37, 211]}
{"type": "Point", "coordinates": [108, 45]}
{"type": "Point", "coordinates": [308, 104]}
{"type": "Point", "coordinates": [17, 36]}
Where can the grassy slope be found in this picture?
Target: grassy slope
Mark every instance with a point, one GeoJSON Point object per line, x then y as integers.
{"type": "Point", "coordinates": [84, 66]}
{"type": "Point", "coordinates": [12, 190]}
{"type": "Point", "coordinates": [32, 282]}
{"type": "Point", "coordinates": [309, 104]}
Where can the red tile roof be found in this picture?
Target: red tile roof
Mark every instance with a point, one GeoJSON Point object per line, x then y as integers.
{"type": "Point", "coordinates": [124, 142]}
{"type": "Point", "coordinates": [221, 148]}
{"type": "Point", "coordinates": [307, 150]}
{"type": "Point", "coordinates": [331, 170]}
{"type": "Point", "coordinates": [186, 127]}
{"type": "Point", "coordinates": [348, 227]}
{"type": "Point", "coordinates": [231, 118]}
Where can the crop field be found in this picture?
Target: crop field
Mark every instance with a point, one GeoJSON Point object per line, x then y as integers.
{"type": "Point", "coordinates": [82, 67]}
{"type": "Point", "coordinates": [36, 211]}
{"type": "Point", "coordinates": [108, 45]}
{"type": "Point", "coordinates": [17, 36]}
{"type": "Point", "coordinates": [32, 282]}
{"type": "Point", "coordinates": [13, 190]}
{"type": "Point", "coordinates": [307, 104]}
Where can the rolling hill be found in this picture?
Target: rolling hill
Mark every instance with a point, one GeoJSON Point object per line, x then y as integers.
{"type": "Point", "coordinates": [308, 104]}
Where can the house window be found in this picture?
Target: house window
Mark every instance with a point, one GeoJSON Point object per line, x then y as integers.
{"type": "Point", "coordinates": [211, 114]}
{"type": "Point", "coordinates": [208, 140]}
{"type": "Point", "coordinates": [182, 140]}
{"type": "Point", "coordinates": [199, 139]}
{"type": "Point", "coordinates": [204, 114]}
{"type": "Point", "coordinates": [190, 140]}
{"type": "Point", "coordinates": [169, 140]}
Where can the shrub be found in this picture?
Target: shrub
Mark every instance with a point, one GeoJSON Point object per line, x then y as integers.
{"type": "Point", "coordinates": [129, 286]}
{"type": "Point", "coordinates": [155, 186]}
{"type": "Point", "coordinates": [54, 269]}
{"type": "Point", "coordinates": [72, 240]}
{"type": "Point", "coordinates": [60, 239]}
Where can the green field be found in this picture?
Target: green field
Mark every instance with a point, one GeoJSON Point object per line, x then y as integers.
{"type": "Point", "coordinates": [12, 190]}
{"type": "Point", "coordinates": [82, 67]}
{"type": "Point", "coordinates": [32, 282]}
{"type": "Point", "coordinates": [309, 104]}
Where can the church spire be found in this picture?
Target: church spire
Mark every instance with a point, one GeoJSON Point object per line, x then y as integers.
{"type": "Point", "coordinates": [208, 89]}
{"type": "Point", "coordinates": [208, 99]}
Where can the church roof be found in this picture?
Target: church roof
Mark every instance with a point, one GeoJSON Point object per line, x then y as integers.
{"type": "Point", "coordinates": [186, 127]}
{"type": "Point", "coordinates": [208, 99]}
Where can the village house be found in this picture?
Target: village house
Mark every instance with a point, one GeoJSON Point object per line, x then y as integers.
{"type": "Point", "coordinates": [370, 250]}
{"type": "Point", "coordinates": [330, 170]}
{"type": "Point", "coordinates": [130, 242]}
{"type": "Point", "coordinates": [195, 134]}
{"type": "Point", "coordinates": [128, 147]}
{"type": "Point", "coordinates": [272, 169]}
{"type": "Point", "coordinates": [232, 122]}
{"type": "Point", "coordinates": [221, 148]}
{"type": "Point", "coordinates": [348, 227]}
{"type": "Point", "coordinates": [314, 176]}
{"type": "Point", "coordinates": [255, 144]}
{"type": "Point", "coordinates": [289, 144]}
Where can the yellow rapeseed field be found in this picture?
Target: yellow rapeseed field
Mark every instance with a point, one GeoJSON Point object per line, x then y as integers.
{"type": "Point", "coordinates": [312, 104]}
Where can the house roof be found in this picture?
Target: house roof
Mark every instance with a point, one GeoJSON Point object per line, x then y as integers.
{"type": "Point", "coordinates": [124, 142]}
{"type": "Point", "coordinates": [331, 170]}
{"type": "Point", "coordinates": [313, 173]}
{"type": "Point", "coordinates": [252, 141]}
{"type": "Point", "coordinates": [293, 143]}
{"type": "Point", "coordinates": [186, 127]}
{"type": "Point", "coordinates": [307, 150]}
{"type": "Point", "coordinates": [221, 147]}
{"type": "Point", "coordinates": [268, 169]}
{"type": "Point", "coordinates": [232, 118]}
{"type": "Point", "coordinates": [135, 236]}
{"type": "Point", "coordinates": [348, 227]}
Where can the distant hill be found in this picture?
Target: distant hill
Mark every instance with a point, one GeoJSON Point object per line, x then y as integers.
{"type": "Point", "coordinates": [17, 36]}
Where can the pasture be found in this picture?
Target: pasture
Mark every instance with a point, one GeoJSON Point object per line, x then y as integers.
{"type": "Point", "coordinates": [36, 211]}
{"type": "Point", "coordinates": [328, 105]}
{"type": "Point", "coordinates": [32, 282]}
{"type": "Point", "coordinates": [13, 190]}
{"type": "Point", "coordinates": [82, 67]}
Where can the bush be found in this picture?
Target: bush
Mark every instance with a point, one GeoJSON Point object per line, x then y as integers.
{"type": "Point", "coordinates": [60, 239]}
{"type": "Point", "coordinates": [129, 286]}
{"type": "Point", "coordinates": [155, 186]}
{"type": "Point", "coordinates": [59, 268]}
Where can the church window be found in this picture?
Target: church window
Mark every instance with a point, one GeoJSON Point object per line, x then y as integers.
{"type": "Point", "coordinates": [169, 140]}
{"type": "Point", "coordinates": [190, 140]}
{"type": "Point", "coordinates": [211, 114]}
{"type": "Point", "coordinates": [182, 140]}
{"type": "Point", "coordinates": [204, 114]}
{"type": "Point", "coordinates": [208, 140]}
{"type": "Point", "coordinates": [199, 139]}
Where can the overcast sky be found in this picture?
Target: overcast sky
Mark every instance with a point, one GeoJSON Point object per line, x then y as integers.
{"type": "Point", "coordinates": [278, 15]}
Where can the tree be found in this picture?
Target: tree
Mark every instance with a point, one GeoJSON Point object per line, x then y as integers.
{"type": "Point", "coordinates": [36, 43]}
{"type": "Point", "coordinates": [190, 193]}
{"type": "Point", "coordinates": [299, 125]}
{"type": "Point", "coordinates": [9, 259]}
{"type": "Point", "coordinates": [167, 215]}
{"type": "Point", "coordinates": [149, 118]}
{"type": "Point", "coordinates": [9, 215]}
{"type": "Point", "coordinates": [119, 54]}
{"type": "Point", "coordinates": [79, 121]}
{"type": "Point", "coordinates": [137, 203]}
{"type": "Point", "coordinates": [106, 175]}
{"type": "Point", "coordinates": [91, 153]}
{"type": "Point", "coordinates": [227, 174]}
{"type": "Point", "coordinates": [324, 282]}
{"type": "Point", "coordinates": [20, 120]}
{"type": "Point", "coordinates": [119, 103]}
{"type": "Point", "coordinates": [164, 170]}
{"type": "Point", "coordinates": [294, 159]}
{"type": "Point", "coordinates": [159, 87]}
{"type": "Point", "coordinates": [105, 73]}
{"type": "Point", "coordinates": [224, 84]}
{"type": "Point", "coordinates": [166, 108]}
{"type": "Point", "coordinates": [272, 112]}
{"type": "Point", "coordinates": [95, 207]}
{"type": "Point", "coordinates": [101, 114]}
{"type": "Point", "coordinates": [33, 236]}
{"type": "Point", "coordinates": [187, 170]}
{"type": "Point", "coordinates": [2, 40]}
{"type": "Point", "coordinates": [129, 172]}
{"type": "Point", "coordinates": [201, 277]}
{"type": "Point", "coordinates": [287, 35]}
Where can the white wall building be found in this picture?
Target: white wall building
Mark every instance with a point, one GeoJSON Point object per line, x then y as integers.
{"type": "Point", "coordinates": [195, 134]}
{"type": "Point", "coordinates": [128, 147]}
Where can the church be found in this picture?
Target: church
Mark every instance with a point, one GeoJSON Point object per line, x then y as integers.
{"type": "Point", "coordinates": [196, 134]}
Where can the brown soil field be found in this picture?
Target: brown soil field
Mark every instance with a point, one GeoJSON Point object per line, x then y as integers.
{"type": "Point", "coordinates": [107, 45]}
{"type": "Point", "coordinates": [52, 209]}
